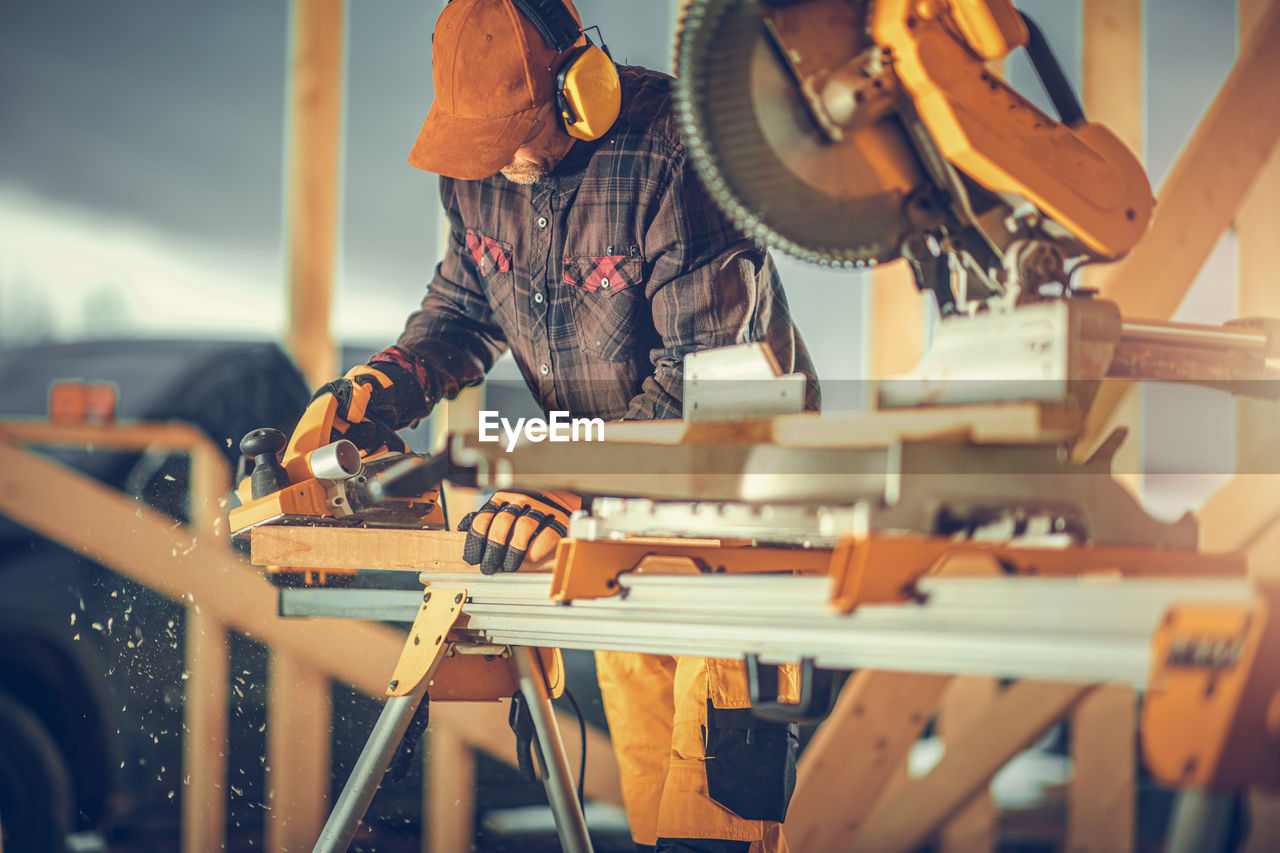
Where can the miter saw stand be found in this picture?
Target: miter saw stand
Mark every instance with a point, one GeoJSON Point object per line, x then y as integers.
{"type": "Point", "coordinates": [475, 672]}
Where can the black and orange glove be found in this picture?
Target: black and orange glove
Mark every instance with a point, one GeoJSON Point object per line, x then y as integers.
{"type": "Point", "coordinates": [375, 400]}
{"type": "Point", "coordinates": [516, 526]}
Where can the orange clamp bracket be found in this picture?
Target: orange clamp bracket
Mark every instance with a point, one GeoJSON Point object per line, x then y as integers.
{"type": "Point", "coordinates": [590, 568]}
{"type": "Point", "coordinates": [872, 569]}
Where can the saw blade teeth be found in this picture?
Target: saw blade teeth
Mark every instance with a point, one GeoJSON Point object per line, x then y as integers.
{"type": "Point", "coordinates": [715, 49]}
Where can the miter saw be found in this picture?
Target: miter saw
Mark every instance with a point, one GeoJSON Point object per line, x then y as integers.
{"type": "Point", "coordinates": [858, 132]}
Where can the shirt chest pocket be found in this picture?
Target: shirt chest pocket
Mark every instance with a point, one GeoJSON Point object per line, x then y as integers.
{"type": "Point", "coordinates": [606, 297]}
{"type": "Point", "coordinates": [494, 263]}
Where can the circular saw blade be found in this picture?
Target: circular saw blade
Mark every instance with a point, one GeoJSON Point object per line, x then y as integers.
{"type": "Point", "coordinates": [763, 157]}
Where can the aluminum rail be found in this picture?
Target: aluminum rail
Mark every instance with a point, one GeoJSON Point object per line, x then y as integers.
{"type": "Point", "coordinates": [1063, 629]}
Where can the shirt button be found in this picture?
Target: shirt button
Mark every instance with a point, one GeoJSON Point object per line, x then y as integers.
{"type": "Point", "coordinates": [537, 297]}
{"type": "Point", "coordinates": [604, 282]}
{"type": "Point", "coordinates": [542, 222]}
{"type": "Point", "coordinates": [544, 369]}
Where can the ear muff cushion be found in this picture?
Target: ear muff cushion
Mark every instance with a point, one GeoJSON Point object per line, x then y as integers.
{"type": "Point", "coordinates": [588, 84]}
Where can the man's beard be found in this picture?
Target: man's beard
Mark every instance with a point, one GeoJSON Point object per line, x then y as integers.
{"type": "Point", "coordinates": [525, 173]}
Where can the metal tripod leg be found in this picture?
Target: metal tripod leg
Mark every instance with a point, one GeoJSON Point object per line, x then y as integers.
{"type": "Point", "coordinates": [571, 825]}
{"type": "Point", "coordinates": [1201, 823]}
{"type": "Point", "coordinates": [367, 775]}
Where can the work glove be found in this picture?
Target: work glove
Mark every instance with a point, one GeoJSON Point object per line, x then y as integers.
{"type": "Point", "coordinates": [514, 526]}
{"type": "Point", "coordinates": [375, 400]}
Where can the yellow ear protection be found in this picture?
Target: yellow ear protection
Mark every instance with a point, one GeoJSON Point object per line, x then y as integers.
{"type": "Point", "coordinates": [588, 94]}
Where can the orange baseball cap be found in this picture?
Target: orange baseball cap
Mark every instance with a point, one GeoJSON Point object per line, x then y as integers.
{"type": "Point", "coordinates": [491, 69]}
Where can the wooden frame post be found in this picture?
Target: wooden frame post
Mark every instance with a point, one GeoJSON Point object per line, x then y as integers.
{"type": "Point", "coordinates": [299, 732]}
{"type": "Point", "coordinates": [448, 794]}
{"type": "Point", "coordinates": [1257, 258]}
{"type": "Point", "coordinates": [204, 743]}
{"type": "Point", "coordinates": [313, 169]}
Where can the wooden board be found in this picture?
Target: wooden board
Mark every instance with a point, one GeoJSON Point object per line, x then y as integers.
{"type": "Point", "coordinates": [988, 423]}
{"type": "Point", "coordinates": [386, 549]}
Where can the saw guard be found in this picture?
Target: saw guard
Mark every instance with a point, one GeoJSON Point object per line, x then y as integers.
{"type": "Point", "coordinates": [1084, 178]}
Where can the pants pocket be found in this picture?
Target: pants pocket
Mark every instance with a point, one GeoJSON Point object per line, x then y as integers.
{"type": "Point", "coordinates": [751, 763]}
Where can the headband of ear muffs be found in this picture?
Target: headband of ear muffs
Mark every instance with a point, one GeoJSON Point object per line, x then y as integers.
{"type": "Point", "coordinates": [588, 93]}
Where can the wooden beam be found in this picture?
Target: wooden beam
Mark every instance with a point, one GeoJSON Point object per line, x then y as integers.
{"type": "Point", "coordinates": [449, 795]}
{"type": "Point", "coordinates": [126, 535]}
{"type": "Point", "coordinates": [973, 829]}
{"type": "Point", "coordinates": [299, 730]}
{"type": "Point", "coordinates": [1206, 187]}
{"type": "Point", "coordinates": [860, 747]}
{"type": "Point", "coordinates": [316, 72]}
{"type": "Point", "coordinates": [1101, 797]}
{"type": "Point", "coordinates": [1257, 258]}
{"type": "Point", "coordinates": [204, 743]}
{"type": "Point", "coordinates": [1022, 713]}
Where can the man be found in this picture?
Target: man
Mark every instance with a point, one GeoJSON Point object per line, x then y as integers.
{"type": "Point", "coordinates": [600, 264]}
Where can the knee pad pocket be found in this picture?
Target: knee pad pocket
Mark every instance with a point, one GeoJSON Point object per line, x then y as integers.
{"type": "Point", "coordinates": [751, 763]}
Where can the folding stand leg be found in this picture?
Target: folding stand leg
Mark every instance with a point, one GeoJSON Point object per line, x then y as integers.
{"type": "Point", "coordinates": [440, 610]}
{"type": "Point", "coordinates": [367, 775]}
{"type": "Point", "coordinates": [1201, 822]}
{"type": "Point", "coordinates": [571, 825]}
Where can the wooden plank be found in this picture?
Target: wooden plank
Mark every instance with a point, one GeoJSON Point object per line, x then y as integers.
{"type": "Point", "coordinates": [140, 543]}
{"type": "Point", "coordinates": [299, 730]}
{"type": "Point", "coordinates": [992, 422]}
{"type": "Point", "coordinates": [1022, 713]}
{"type": "Point", "coordinates": [138, 435]}
{"type": "Point", "coordinates": [1101, 797]}
{"type": "Point", "coordinates": [853, 756]}
{"type": "Point", "coordinates": [449, 794]}
{"type": "Point", "coordinates": [204, 743]}
{"type": "Point", "coordinates": [316, 76]}
{"type": "Point", "coordinates": [1205, 188]}
{"type": "Point", "coordinates": [973, 829]}
{"type": "Point", "coordinates": [1257, 258]}
{"type": "Point", "coordinates": [365, 548]}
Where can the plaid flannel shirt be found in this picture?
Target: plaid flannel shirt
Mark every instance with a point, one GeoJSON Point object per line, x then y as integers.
{"type": "Point", "coordinates": [600, 278]}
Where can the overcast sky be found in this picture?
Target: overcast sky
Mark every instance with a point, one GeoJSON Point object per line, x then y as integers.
{"type": "Point", "coordinates": [141, 157]}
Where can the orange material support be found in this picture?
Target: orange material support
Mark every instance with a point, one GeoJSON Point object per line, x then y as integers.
{"type": "Point", "coordinates": [879, 569]}
{"type": "Point", "coordinates": [1211, 713]}
{"type": "Point", "coordinates": [458, 677]}
{"type": "Point", "coordinates": [489, 678]}
{"type": "Point", "coordinates": [590, 569]}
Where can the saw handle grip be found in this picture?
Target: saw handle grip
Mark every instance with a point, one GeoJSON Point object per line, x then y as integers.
{"type": "Point", "coordinates": [263, 446]}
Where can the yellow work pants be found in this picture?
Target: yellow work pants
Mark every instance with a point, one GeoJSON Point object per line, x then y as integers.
{"type": "Point", "coordinates": [693, 761]}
